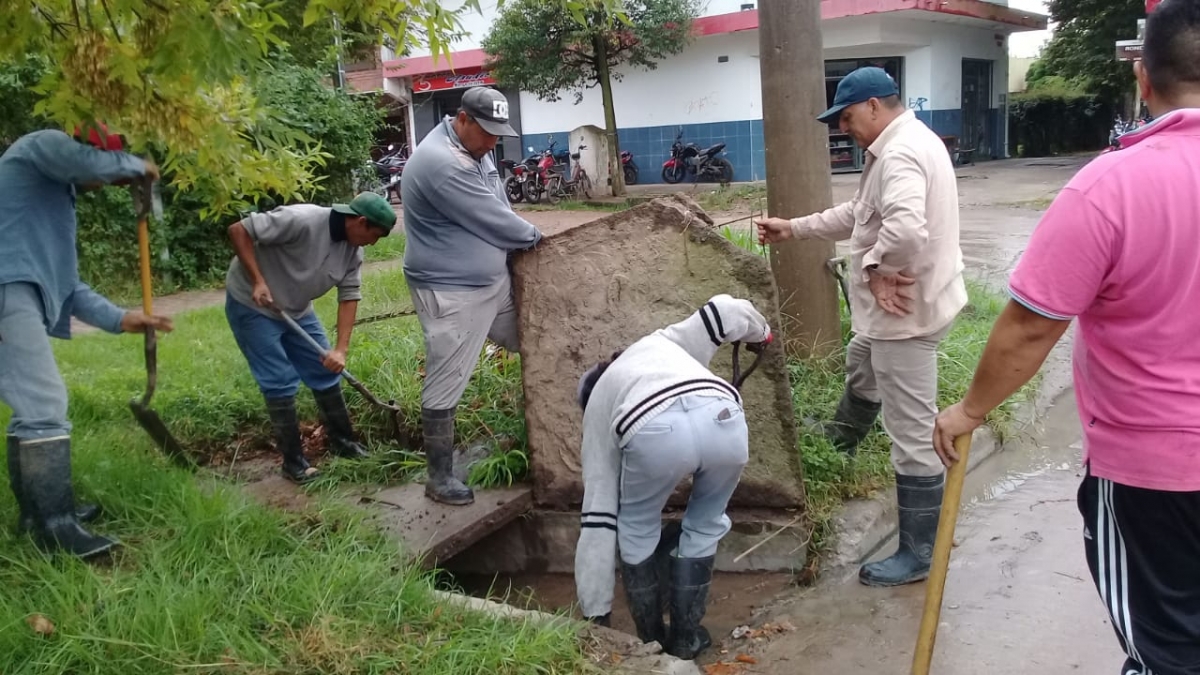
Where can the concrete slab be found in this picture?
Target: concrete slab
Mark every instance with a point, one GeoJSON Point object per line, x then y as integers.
{"type": "Point", "coordinates": [434, 532]}
{"type": "Point", "coordinates": [590, 290]}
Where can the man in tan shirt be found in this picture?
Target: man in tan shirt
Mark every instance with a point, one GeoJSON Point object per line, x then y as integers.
{"type": "Point", "coordinates": [906, 288]}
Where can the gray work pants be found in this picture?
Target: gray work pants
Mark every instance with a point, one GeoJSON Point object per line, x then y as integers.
{"type": "Point", "coordinates": [903, 375]}
{"type": "Point", "coordinates": [455, 325]}
{"type": "Point", "coordinates": [704, 436]}
{"type": "Point", "coordinates": [30, 383]}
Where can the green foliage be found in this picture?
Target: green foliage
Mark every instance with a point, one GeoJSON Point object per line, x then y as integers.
{"type": "Point", "coordinates": [1055, 119]}
{"type": "Point", "coordinates": [545, 48]}
{"type": "Point", "coordinates": [1084, 44]}
{"type": "Point", "coordinates": [181, 79]}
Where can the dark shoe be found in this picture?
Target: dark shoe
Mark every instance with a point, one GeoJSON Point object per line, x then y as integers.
{"type": "Point", "coordinates": [285, 426]}
{"type": "Point", "coordinates": [920, 502]}
{"type": "Point", "coordinates": [332, 407]}
{"type": "Point", "coordinates": [437, 427]}
{"type": "Point", "coordinates": [45, 469]}
{"type": "Point", "coordinates": [84, 513]}
{"type": "Point", "coordinates": [664, 553]}
{"type": "Point", "coordinates": [641, 583]}
{"type": "Point", "coordinates": [851, 423]}
{"type": "Point", "coordinates": [690, 579]}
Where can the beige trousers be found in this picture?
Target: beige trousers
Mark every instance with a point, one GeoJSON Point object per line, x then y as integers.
{"type": "Point", "coordinates": [903, 376]}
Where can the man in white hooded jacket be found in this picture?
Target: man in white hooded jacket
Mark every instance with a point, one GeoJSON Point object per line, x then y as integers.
{"type": "Point", "coordinates": [653, 415]}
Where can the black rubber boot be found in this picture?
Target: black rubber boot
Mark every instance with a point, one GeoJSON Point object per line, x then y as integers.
{"type": "Point", "coordinates": [437, 427]}
{"type": "Point", "coordinates": [285, 426]}
{"type": "Point", "coordinates": [45, 468]}
{"type": "Point", "coordinates": [642, 591]}
{"type": "Point", "coordinates": [332, 407]}
{"type": "Point", "coordinates": [664, 553]}
{"type": "Point", "coordinates": [920, 502]}
{"type": "Point", "coordinates": [84, 513]}
{"type": "Point", "coordinates": [851, 423]}
{"type": "Point", "coordinates": [690, 579]}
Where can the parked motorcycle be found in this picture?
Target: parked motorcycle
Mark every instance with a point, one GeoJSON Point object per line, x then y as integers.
{"type": "Point", "coordinates": [519, 174]}
{"type": "Point", "coordinates": [700, 164]}
{"type": "Point", "coordinates": [629, 168]}
{"type": "Point", "coordinates": [390, 167]}
{"type": "Point", "coordinates": [549, 162]}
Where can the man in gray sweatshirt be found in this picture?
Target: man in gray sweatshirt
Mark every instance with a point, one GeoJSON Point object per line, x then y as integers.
{"type": "Point", "coordinates": [460, 230]}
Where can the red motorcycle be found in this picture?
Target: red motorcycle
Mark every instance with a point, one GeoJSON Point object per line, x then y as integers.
{"type": "Point", "coordinates": [702, 165]}
{"type": "Point", "coordinates": [514, 185]}
{"type": "Point", "coordinates": [551, 163]}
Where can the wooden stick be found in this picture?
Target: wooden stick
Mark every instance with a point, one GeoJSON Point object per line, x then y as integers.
{"type": "Point", "coordinates": [767, 538]}
{"type": "Point", "coordinates": [935, 587]}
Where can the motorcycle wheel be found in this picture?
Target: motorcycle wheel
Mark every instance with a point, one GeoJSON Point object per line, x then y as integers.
{"type": "Point", "coordinates": [554, 191]}
{"type": "Point", "coordinates": [514, 190]}
{"type": "Point", "coordinates": [723, 169]}
{"type": "Point", "coordinates": [585, 186]}
{"type": "Point", "coordinates": [673, 174]}
{"type": "Point", "coordinates": [631, 175]}
{"type": "Point", "coordinates": [532, 190]}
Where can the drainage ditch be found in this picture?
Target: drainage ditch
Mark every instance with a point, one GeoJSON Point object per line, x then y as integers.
{"type": "Point", "coordinates": [529, 564]}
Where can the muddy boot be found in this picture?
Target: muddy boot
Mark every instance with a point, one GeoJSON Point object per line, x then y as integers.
{"type": "Point", "coordinates": [332, 407]}
{"type": "Point", "coordinates": [920, 502]}
{"type": "Point", "coordinates": [45, 468]}
{"type": "Point", "coordinates": [84, 513]}
{"type": "Point", "coordinates": [690, 578]}
{"type": "Point", "coordinates": [641, 583]}
{"type": "Point", "coordinates": [285, 426]}
{"type": "Point", "coordinates": [664, 553]}
{"type": "Point", "coordinates": [437, 427]}
{"type": "Point", "coordinates": [851, 423]}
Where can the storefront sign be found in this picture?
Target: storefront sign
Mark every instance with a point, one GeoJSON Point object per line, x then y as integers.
{"type": "Point", "coordinates": [444, 81]}
{"type": "Point", "coordinates": [1129, 50]}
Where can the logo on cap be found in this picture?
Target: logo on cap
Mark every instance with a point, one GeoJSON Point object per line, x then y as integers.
{"type": "Point", "coordinates": [500, 110]}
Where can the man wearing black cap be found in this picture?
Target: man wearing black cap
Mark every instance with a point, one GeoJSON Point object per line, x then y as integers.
{"type": "Point", "coordinates": [461, 230]}
{"type": "Point", "coordinates": [285, 259]}
{"type": "Point", "coordinates": [906, 290]}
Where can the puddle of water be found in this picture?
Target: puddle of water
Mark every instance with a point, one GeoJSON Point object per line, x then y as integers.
{"type": "Point", "coordinates": [1052, 444]}
{"type": "Point", "coordinates": [732, 599]}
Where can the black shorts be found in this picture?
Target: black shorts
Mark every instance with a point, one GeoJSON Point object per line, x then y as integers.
{"type": "Point", "coordinates": [1143, 549]}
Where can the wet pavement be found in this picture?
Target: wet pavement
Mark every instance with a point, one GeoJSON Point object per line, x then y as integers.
{"type": "Point", "coordinates": [1018, 596]}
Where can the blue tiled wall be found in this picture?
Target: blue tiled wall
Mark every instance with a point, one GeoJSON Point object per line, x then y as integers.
{"type": "Point", "coordinates": [651, 146]}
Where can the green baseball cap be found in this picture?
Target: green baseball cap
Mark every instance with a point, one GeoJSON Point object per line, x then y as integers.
{"type": "Point", "coordinates": [374, 208]}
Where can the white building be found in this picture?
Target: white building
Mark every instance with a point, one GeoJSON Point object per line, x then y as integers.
{"type": "Point", "coordinates": [950, 58]}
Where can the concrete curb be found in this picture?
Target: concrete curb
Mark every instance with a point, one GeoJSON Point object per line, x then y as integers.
{"type": "Point", "coordinates": [633, 655]}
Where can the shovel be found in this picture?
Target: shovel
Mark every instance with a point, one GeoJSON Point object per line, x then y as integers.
{"type": "Point", "coordinates": [147, 199]}
{"type": "Point", "coordinates": [390, 406]}
{"type": "Point", "coordinates": [936, 586]}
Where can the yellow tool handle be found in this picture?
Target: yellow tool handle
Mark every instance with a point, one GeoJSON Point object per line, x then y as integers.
{"type": "Point", "coordinates": [144, 252]}
{"type": "Point", "coordinates": [936, 585]}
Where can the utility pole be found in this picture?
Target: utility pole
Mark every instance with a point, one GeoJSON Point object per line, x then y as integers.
{"type": "Point", "coordinates": [797, 156]}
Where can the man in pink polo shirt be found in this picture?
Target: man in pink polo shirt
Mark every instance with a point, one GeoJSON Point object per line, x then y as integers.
{"type": "Point", "coordinates": [1119, 249]}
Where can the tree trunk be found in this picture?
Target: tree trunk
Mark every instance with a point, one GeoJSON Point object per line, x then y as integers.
{"type": "Point", "coordinates": [798, 173]}
{"type": "Point", "coordinates": [615, 172]}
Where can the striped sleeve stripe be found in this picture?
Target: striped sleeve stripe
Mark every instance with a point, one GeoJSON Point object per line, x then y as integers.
{"type": "Point", "coordinates": [709, 327]}
{"type": "Point", "coordinates": [1031, 306]}
{"type": "Point", "coordinates": [598, 514]}
{"type": "Point", "coordinates": [686, 387]}
{"type": "Point", "coordinates": [606, 526]}
{"type": "Point", "coordinates": [716, 317]}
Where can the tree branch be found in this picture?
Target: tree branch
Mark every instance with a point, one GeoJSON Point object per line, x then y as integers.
{"type": "Point", "coordinates": [55, 24]}
{"type": "Point", "coordinates": [75, 11]}
{"type": "Point", "coordinates": [117, 33]}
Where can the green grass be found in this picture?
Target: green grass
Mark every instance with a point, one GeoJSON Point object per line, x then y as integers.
{"type": "Point", "coordinates": [732, 198]}
{"type": "Point", "coordinates": [210, 581]}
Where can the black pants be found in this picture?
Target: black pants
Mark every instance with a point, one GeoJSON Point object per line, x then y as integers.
{"type": "Point", "coordinates": [1143, 548]}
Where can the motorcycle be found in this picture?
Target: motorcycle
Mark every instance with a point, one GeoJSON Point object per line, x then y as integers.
{"type": "Point", "coordinates": [629, 168]}
{"type": "Point", "coordinates": [549, 162]}
{"type": "Point", "coordinates": [389, 168]}
{"type": "Point", "coordinates": [700, 164]}
{"type": "Point", "coordinates": [519, 173]}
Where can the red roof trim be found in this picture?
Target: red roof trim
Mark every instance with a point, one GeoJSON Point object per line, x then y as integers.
{"type": "Point", "coordinates": [473, 59]}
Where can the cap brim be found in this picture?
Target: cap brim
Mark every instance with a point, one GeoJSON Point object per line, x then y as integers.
{"type": "Point", "coordinates": [830, 116]}
{"type": "Point", "coordinates": [496, 128]}
{"type": "Point", "coordinates": [345, 210]}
